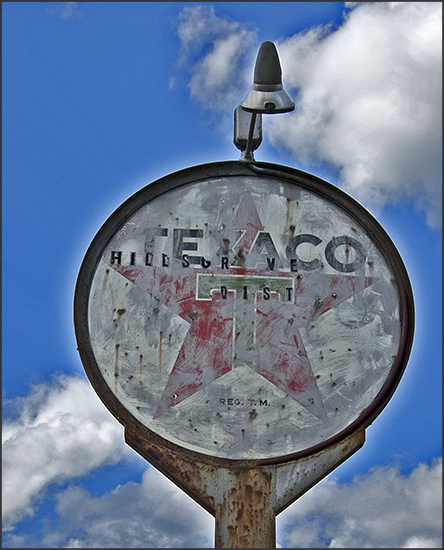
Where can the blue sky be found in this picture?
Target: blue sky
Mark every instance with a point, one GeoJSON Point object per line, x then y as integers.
{"type": "Point", "coordinates": [102, 98]}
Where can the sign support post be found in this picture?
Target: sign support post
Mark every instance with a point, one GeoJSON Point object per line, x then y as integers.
{"type": "Point", "coordinates": [249, 500]}
{"type": "Point", "coordinates": [245, 500]}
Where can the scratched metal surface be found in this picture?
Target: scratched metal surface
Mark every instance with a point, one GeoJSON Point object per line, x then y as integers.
{"type": "Point", "coordinates": [237, 341]}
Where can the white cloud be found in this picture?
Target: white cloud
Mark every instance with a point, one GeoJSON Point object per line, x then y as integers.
{"type": "Point", "coordinates": [369, 102]}
{"type": "Point", "coordinates": [368, 95]}
{"type": "Point", "coordinates": [382, 509]}
{"type": "Point", "coordinates": [212, 80]}
{"type": "Point", "coordinates": [151, 514]}
{"type": "Point", "coordinates": [218, 48]}
{"type": "Point", "coordinates": [61, 431]}
{"type": "Point", "coordinates": [66, 10]}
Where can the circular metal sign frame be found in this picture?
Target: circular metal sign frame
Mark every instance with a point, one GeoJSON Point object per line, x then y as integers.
{"type": "Point", "coordinates": [227, 169]}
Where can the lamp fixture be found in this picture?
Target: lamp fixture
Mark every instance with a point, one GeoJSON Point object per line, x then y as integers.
{"type": "Point", "coordinates": [267, 96]}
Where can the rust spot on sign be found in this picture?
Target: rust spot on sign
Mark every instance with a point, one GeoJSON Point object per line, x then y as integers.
{"type": "Point", "coordinates": [116, 366]}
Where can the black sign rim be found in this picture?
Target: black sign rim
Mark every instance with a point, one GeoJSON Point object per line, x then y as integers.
{"type": "Point", "coordinates": [226, 169]}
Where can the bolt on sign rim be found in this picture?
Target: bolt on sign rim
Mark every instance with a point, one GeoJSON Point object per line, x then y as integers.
{"type": "Point", "coordinates": [244, 313]}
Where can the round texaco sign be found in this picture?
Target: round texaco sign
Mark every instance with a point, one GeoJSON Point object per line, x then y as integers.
{"type": "Point", "coordinates": [244, 311]}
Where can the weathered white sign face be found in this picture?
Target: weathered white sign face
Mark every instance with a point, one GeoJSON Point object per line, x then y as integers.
{"type": "Point", "coordinates": [244, 317]}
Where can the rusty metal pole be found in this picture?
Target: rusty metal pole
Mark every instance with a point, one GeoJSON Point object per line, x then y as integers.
{"type": "Point", "coordinates": [245, 508]}
{"type": "Point", "coordinates": [247, 501]}
{"type": "Point", "coordinates": [243, 498]}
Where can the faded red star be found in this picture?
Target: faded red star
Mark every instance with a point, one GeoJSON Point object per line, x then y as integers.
{"type": "Point", "coordinates": [217, 341]}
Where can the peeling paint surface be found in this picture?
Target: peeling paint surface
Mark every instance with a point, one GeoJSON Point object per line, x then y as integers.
{"type": "Point", "coordinates": [244, 318]}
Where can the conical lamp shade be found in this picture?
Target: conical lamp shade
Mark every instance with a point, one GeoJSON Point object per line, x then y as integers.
{"type": "Point", "coordinates": [267, 94]}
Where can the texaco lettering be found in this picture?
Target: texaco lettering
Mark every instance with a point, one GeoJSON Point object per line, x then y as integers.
{"type": "Point", "coordinates": [263, 239]}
